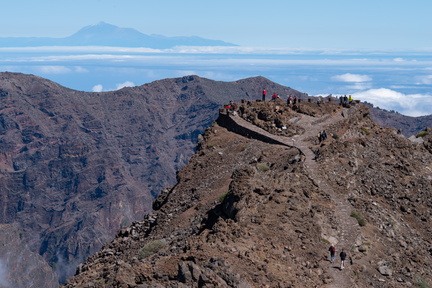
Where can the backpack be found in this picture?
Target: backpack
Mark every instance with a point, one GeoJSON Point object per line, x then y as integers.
{"type": "Point", "coordinates": [333, 249]}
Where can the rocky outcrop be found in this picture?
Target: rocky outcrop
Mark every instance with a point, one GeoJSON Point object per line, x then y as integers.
{"type": "Point", "coordinates": [77, 166]}
{"type": "Point", "coordinates": [248, 212]}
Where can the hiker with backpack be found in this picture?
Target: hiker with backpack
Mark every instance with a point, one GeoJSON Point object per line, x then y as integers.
{"type": "Point", "coordinates": [332, 251]}
{"type": "Point", "coordinates": [342, 256]}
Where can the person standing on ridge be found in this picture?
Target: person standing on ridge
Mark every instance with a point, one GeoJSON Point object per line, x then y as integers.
{"type": "Point", "coordinates": [264, 93]}
{"type": "Point", "coordinates": [342, 255]}
{"type": "Point", "coordinates": [332, 251]}
{"type": "Point", "coordinates": [290, 99]}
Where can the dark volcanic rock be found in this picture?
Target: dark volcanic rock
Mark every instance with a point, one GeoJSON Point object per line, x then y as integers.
{"type": "Point", "coordinates": [77, 166]}
{"type": "Point", "coordinates": [256, 212]}
{"type": "Point", "coordinates": [407, 125]}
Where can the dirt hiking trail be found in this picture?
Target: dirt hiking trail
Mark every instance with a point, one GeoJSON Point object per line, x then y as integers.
{"type": "Point", "coordinates": [347, 228]}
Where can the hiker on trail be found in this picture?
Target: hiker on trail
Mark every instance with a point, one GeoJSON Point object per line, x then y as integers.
{"type": "Point", "coordinates": [295, 99]}
{"type": "Point", "coordinates": [275, 96]}
{"type": "Point", "coordinates": [350, 99]}
{"type": "Point", "coordinates": [264, 93]}
{"type": "Point", "coordinates": [332, 251]}
{"type": "Point", "coordinates": [231, 107]}
{"type": "Point", "coordinates": [323, 135]}
{"type": "Point", "coordinates": [342, 255]}
{"type": "Point", "coordinates": [345, 100]}
{"type": "Point", "coordinates": [234, 107]}
{"type": "Point", "coordinates": [290, 100]}
{"type": "Point", "coordinates": [340, 100]}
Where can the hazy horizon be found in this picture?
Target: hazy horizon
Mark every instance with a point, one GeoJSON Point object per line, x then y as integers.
{"type": "Point", "coordinates": [378, 51]}
{"type": "Point", "coordinates": [399, 81]}
{"type": "Point", "coordinates": [336, 24]}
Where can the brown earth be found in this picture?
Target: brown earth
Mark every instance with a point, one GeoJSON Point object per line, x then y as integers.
{"type": "Point", "coordinates": [75, 167]}
{"type": "Point", "coordinates": [259, 207]}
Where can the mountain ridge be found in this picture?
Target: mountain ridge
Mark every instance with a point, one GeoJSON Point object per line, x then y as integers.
{"type": "Point", "coordinates": [104, 34]}
{"type": "Point", "coordinates": [263, 198]}
{"type": "Point", "coordinates": [77, 166]}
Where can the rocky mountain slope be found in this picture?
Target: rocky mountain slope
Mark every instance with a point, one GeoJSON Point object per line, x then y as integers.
{"type": "Point", "coordinates": [262, 199]}
{"type": "Point", "coordinates": [406, 124]}
{"type": "Point", "coordinates": [76, 166]}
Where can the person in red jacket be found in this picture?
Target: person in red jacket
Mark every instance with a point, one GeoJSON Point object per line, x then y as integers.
{"type": "Point", "coordinates": [264, 93]}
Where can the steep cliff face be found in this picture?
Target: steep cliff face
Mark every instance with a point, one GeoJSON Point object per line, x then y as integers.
{"type": "Point", "coordinates": [75, 166]}
{"type": "Point", "coordinates": [262, 199]}
{"type": "Point", "coordinates": [406, 124]}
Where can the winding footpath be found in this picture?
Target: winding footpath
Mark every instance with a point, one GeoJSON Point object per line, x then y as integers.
{"type": "Point", "coordinates": [347, 227]}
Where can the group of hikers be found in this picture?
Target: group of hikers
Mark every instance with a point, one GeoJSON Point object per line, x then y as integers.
{"type": "Point", "coordinates": [292, 99]}
{"type": "Point", "coordinates": [344, 100]}
{"type": "Point", "coordinates": [342, 256]}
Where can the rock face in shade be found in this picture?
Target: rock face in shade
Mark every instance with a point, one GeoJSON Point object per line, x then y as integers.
{"type": "Point", "coordinates": [76, 166]}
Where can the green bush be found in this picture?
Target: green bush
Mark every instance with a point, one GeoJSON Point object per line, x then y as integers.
{"type": "Point", "coordinates": [366, 131]}
{"type": "Point", "coordinates": [361, 221]}
{"type": "Point", "coordinates": [422, 134]}
{"type": "Point", "coordinates": [325, 241]}
{"type": "Point", "coordinates": [222, 197]}
{"type": "Point", "coordinates": [421, 282]}
{"type": "Point", "coordinates": [151, 248]}
{"type": "Point", "coordinates": [263, 167]}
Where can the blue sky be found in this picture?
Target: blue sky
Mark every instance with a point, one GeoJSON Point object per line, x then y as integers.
{"type": "Point", "coordinates": [379, 51]}
{"type": "Point", "coordinates": [346, 24]}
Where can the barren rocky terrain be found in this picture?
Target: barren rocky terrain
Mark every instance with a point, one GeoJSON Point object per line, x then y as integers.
{"type": "Point", "coordinates": [75, 166]}
{"type": "Point", "coordinates": [262, 199]}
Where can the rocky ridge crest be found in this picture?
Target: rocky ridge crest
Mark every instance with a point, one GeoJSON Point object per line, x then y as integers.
{"type": "Point", "coordinates": [75, 166]}
{"type": "Point", "coordinates": [262, 199]}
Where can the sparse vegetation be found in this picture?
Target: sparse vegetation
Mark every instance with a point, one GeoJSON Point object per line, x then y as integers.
{"type": "Point", "coordinates": [263, 167]}
{"type": "Point", "coordinates": [421, 282]}
{"type": "Point", "coordinates": [222, 197]}
{"type": "Point", "coordinates": [335, 136]}
{"type": "Point", "coordinates": [365, 131]}
{"type": "Point", "coordinates": [211, 145]}
{"type": "Point", "coordinates": [361, 221]}
{"type": "Point", "coordinates": [422, 134]}
{"type": "Point", "coordinates": [151, 248]}
{"type": "Point", "coordinates": [325, 241]}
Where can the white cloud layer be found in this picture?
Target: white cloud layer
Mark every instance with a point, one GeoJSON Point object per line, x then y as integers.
{"type": "Point", "coordinates": [425, 80]}
{"type": "Point", "coordinates": [125, 84]}
{"type": "Point", "coordinates": [97, 88]}
{"type": "Point", "coordinates": [100, 88]}
{"type": "Point", "coordinates": [210, 50]}
{"type": "Point", "coordinates": [355, 78]}
{"type": "Point", "coordinates": [54, 69]}
{"type": "Point", "coordinates": [407, 104]}
{"type": "Point", "coordinates": [359, 86]}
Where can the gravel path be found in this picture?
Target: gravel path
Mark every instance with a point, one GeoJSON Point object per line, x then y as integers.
{"type": "Point", "coordinates": [347, 227]}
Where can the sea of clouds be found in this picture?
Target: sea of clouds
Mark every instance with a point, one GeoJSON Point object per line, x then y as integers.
{"type": "Point", "coordinates": [392, 80]}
